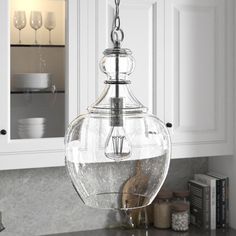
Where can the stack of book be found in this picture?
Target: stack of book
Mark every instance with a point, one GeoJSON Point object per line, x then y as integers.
{"type": "Point", "coordinates": [209, 200]}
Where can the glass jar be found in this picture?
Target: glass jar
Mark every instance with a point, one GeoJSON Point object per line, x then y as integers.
{"type": "Point", "coordinates": [162, 210]}
{"type": "Point", "coordinates": [182, 197]}
{"type": "Point", "coordinates": [179, 217]}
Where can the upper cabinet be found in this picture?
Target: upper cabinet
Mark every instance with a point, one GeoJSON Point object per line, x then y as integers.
{"type": "Point", "coordinates": [39, 82]}
{"type": "Point", "coordinates": [199, 76]}
{"type": "Point", "coordinates": [184, 71]}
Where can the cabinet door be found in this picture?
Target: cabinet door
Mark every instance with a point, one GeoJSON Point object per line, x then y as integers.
{"type": "Point", "coordinates": [27, 60]}
{"type": "Point", "coordinates": [143, 26]}
{"type": "Point", "coordinates": [198, 76]}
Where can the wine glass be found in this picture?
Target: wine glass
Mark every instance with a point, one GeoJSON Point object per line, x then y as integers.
{"type": "Point", "coordinates": [36, 22]}
{"type": "Point", "coordinates": [50, 23]}
{"type": "Point", "coordinates": [19, 22]}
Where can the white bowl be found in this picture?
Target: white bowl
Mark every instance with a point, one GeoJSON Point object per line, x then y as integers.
{"type": "Point", "coordinates": [32, 121]}
{"type": "Point", "coordinates": [31, 124]}
{"type": "Point", "coordinates": [31, 134]}
{"type": "Point", "coordinates": [28, 129]}
{"type": "Point", "coordinates": [32, 81]}
{"type": "Point", "coordinates": [31, 127]}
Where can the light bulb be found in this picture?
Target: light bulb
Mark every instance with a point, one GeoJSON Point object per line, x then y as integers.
{"type": "Point", "coordinates": [117, 146]}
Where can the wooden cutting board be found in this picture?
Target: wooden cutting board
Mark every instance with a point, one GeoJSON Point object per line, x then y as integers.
{"type": "Point", "coordinates": [134, 186]}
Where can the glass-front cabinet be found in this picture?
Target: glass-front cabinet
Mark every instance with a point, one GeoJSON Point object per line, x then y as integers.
{"type": "Point", "coordinates": [37, 69]}
{"type": "Point", "coordinates": [39, 79]}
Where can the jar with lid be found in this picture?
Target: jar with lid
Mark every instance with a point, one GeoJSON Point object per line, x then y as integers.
{"type": "Point", "coordinates": [182, 197]}
{"type": "Point", "coordinates": [179, 217]}
{"type": "Point", "coordinates": [162, 210]}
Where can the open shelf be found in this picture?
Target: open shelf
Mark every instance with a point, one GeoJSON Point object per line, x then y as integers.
{"type": "Point", "coordinates": [35, 92]}
{"type": "Point", "coordinates": [38, 45]}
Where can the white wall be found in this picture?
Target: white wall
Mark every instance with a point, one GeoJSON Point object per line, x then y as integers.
{"type": "Point", "coordinates": [227, 165]}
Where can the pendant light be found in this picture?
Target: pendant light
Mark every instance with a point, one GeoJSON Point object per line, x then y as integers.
{"type": "Point", "coordinates": [117, 154]}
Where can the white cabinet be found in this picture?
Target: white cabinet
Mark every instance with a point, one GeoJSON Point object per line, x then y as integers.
{"type": "Point", "coordinates": [184, 72]}
{"type": "Point", "coordinates": [42, 152]}
{"type": "Point", "coordinates": [183, 52]}
{"type": "Point", "coordinates": [198, 76]}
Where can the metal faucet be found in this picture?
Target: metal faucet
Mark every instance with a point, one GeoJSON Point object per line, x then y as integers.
{"type": "Point", "coordinates": [1, 225]}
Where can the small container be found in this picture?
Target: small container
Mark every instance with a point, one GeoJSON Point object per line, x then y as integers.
{"type": "Point", "coordinates": [162, 210]}
{"type": "Point", "coordinates": [182, 197]}
{"type": "Point", "coordinates": [179, 217]}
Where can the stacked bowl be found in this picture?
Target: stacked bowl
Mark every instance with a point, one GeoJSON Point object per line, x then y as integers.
{"type": "Point", "coordinates": [31, 81]}
{"type": "Point", "coordinates": [31, 127]}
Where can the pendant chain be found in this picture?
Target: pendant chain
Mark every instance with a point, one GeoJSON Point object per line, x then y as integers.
{"type": "Point", "coordinates": [117, 34]}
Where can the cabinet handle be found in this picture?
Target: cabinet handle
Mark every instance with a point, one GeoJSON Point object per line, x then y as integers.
{"type": "Point", "coordinates": [168, 125]}
{"type": "Point", "coordinates": [3, 132]}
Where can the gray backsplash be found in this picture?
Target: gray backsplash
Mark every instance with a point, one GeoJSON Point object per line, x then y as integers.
{"type": "Point", "coordinates": [42, 201]}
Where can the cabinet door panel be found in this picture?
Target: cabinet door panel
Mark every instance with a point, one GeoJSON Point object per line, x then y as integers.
{"type": "Point", "coordinates": [196, 72]}
{"type": "Point", "coordinates": [143, 25]}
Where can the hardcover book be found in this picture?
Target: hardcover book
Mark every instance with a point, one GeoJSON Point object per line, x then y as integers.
{"type": "Point", "coordinates": [222, 199]}
{"type": "Point", "coordinates": [199, 204]}
{"type": "Point", "coordinates": [211, 182]}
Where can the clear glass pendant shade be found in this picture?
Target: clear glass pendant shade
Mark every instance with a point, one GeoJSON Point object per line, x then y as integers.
{"type": "Point", "coordinates": [117, 154]}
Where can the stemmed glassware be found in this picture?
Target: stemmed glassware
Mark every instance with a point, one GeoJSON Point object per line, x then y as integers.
{"type": "Point", "coordinates": [50, 23]}
{"type": "Point", "coordinates": [19, 22]}
{"type": "Point", "coordinates": [36, 22]}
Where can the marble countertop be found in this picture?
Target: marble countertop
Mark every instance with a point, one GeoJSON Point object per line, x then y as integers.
{"type": "Point", "coordinates": [193, 231]}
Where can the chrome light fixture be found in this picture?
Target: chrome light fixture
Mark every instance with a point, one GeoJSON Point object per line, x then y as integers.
{"type": "Point", "coordinates": [117, 154]}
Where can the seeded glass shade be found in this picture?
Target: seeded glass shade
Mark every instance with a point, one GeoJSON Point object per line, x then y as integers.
{"type": "Point", "coordinates": [117, 154]}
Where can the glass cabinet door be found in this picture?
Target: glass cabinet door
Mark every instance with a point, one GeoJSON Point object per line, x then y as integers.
{"type": "Point", "coordinates": [37, 69]}
{"type": "Point", "coordinates": [39, 53]}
